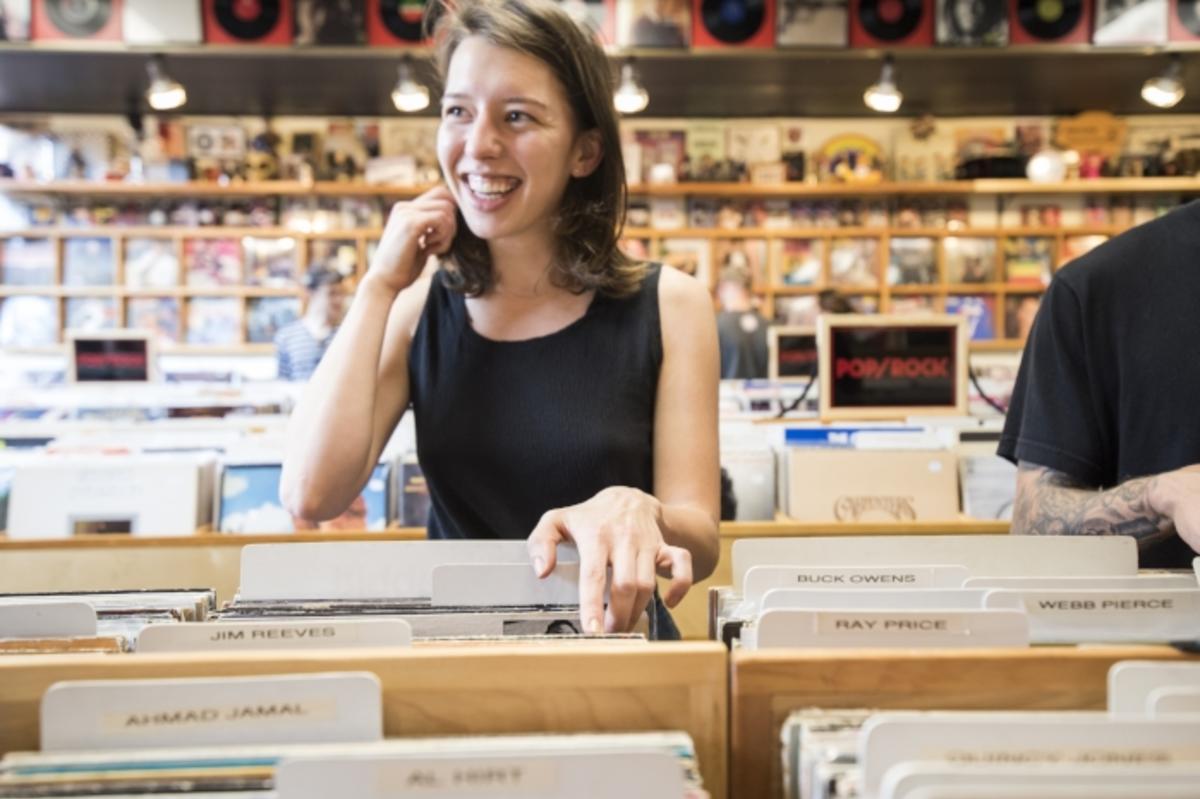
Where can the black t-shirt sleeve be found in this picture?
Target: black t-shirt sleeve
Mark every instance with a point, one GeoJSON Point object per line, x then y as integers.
{"type": "Point", "coordinates": [1052, 419]}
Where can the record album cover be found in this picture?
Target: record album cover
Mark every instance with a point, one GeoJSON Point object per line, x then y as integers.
{"type": "Point", "coordinates": [1131, 22]}
{"type": "Point", "coordinates": [14, 20]}
{"type": "Point", "coordinates": [654, 23]}
{"type": "Point", "coordinates": [94, 20]}
{"type": "Point", "coordinates": [1019, 312]}
{"type": "Point", "coordinates": [891, 23]}
{"type": "Point", "coordinates": [26, 262]}
{"type": "Point", "coordinates": [159, 22]}
{"type": "Point", "coordinates": [213, 262]}
{"type": "Point", "coordinates": [250, 503]}
{"type": "Point", "coordinates": [812, 23]}
{"type": "Point", "coordinates": [259, 22]}
{"type": "Point", "coordinates": [748, 24]}
{"type": "Point", "coordinates": [89, 262]}
{"type": "Point", "coordinates": [329, 22]}
{"type": "Point", "coordinates": [214, 321]}
{"type": "Point", "coordinates": [972, 23]}
{"type": "Point", "coordinates": [854, 262]}
{"type": "Point", "coordinates": [158, 314]}
{"type": "Point", "coordinates": [980, 312]}
{"type": "Point", "coordinates": [270, 261]}
{"type": "Point", "coordinates": [1061, 22]}
{"type": "Point", "coordinates": [912, 261]}
{"type": "Point", "coordinates": [969, 260]}
{"type": "Point", "coordinates": [28, 321]}
{"type": "Point", "coordinates": [91, 313]}
{"type": "Point", "coordinates": [400, 23]}
{"type": "Point", "coordinates": [151, 263]}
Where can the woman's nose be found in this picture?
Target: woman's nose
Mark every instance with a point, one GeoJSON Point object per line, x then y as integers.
{"type": "Point", "coordinates": [483, 140]}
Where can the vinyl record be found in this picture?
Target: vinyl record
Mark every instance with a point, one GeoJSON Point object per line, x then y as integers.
{"type": "Point", "coordinates": [403, 18]}
{"type": "Point", "coordinates": [1049, 19]}
{"type": "Point", "coordinates": [890, 20]}
{"type": "Point", "coordinates": [79, 18]}
{"type": "Point", "coordinates": [1185, 22]}
{"type": "Point", "coordinates": [733, 21]}
{"type": "Point", "coordinates": [247, 20]}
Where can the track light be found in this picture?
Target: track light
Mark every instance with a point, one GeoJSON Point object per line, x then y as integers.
{"type": "Point", "coordinates": [1166, 90]}
{"type": "Point", "coordinates": [410, 95]}
{"type": "Point", "coordinates": [164, 92]}
{"type": "Point", "coordinates": [631, 96]}
{"type": "Point", "coordinates": [883, 96]}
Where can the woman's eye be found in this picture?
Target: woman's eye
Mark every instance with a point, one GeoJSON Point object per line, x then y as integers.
{"type": "Point", "coordinates": [452, 111]}
{"type": "Point", "coordinates": [518, 116]}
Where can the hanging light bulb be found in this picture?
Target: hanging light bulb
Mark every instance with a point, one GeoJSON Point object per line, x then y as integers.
{"type": "Point", "coordinates": [631, 96]}
{"type": "Point", "coordinates": [164, 92]}
{"type": "Point", "coordinates": [410, 95]}
{"type": "Point", "coordinates": [1166, 90]}
{"type": "Point", "coordinates": [883, 96]}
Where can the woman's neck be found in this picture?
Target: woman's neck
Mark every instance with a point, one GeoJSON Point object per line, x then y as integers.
{"type": "Point", "coordinates": [522, 266]}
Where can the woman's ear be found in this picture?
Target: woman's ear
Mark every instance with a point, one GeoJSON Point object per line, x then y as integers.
{"type": "Point", "coordinates": [589, 151]}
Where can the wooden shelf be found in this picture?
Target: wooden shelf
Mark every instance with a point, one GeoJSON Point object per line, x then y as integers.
{"type": "Point", "coordinates": [767, 686]}
{"type": "Point", "coordinates": [689, 189]}
{"type": "Point", "coordinates": [450, 690]}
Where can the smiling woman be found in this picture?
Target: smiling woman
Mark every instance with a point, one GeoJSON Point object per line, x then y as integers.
{"type": "Point", "coordinates": [561, 391]}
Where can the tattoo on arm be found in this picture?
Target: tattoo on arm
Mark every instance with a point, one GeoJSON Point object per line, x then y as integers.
{"type": "Point", "coordinates": [1049, 502]}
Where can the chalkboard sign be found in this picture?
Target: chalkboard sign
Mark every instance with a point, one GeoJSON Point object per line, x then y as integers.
{"type": "Point", "coordinates": [110, 356]}
{"type": "Point", "coordinates": [793, 352]}
{"type": "Point", "coordinates": [891, 367]}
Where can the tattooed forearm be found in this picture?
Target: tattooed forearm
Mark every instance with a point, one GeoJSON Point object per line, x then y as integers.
{"type": "Point", "coordinates": [1051, 503]}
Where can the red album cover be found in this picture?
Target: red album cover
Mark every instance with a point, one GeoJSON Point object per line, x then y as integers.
{"type": "Point", "coordinates": [1183, 24]}
{"type": "Point", "coordinates": [1037, 22]}
{"type": "Point", "coordinates": [258, 22]}
{"type": "Point", "coordinates": [733, 23]}
{"type": "Point", "coordinates": [66, 19]}
{"type": "Point", "coordinates": [891, 23]}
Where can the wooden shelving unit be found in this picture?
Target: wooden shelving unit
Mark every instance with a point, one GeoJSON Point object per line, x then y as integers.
{"type": "Point", "coordinates": [771, 285]}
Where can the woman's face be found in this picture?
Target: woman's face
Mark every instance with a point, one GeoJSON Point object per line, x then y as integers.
{"type": "Point", "coordinates": [507, 142]}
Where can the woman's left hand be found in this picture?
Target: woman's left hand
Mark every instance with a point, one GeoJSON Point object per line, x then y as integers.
{"type": "Point", "coordinates": [619, 527]}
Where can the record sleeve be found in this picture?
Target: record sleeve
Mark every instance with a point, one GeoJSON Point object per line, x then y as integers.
{"type": "Point", "coordinates": [151, 263]}
{"type": "Point", "coordinates": [854, 263]}
{"type": "Point", "coordinates": [1131, 22]}
{"type": "Point", "coordinates": [598, 16]}
{"type": "Point", "coordinates": [969, 260]}
{"type": "Point", "coordinates": [159, 22]}
{"type": "Point", "coordinates": [980, 312]}
{"type": "Point", "coordinates": [214, 321]}
{"type": "Point", "coordinates": [256, 22]}
{"type": "Point", "coordinates": [891, 23]}
{"type": "Point", "coordinates": [94, 20]}
{"type": "Point", "coordinates": [912, 261]}
{"type": "Point", "coordinates": [159, 314]}
{"type": "Point", "coordinates": [1028, 260]}
{"type": "Point", "coordinates": [1039, 22]}
{"type": "Point", "coordinates": [1184, 21]}
{"type": "Point", "coordinates": [399, 23]}
{"type": "Point", "coordinates": [89, 262]}
{"type": "Point", "coordinates": [14, 20]}
{"type": "Point", "coordinates": [28, 321]}
{"type": "Point", "coordinates": [270, 261]}
{"type": "Point", "coordinates": [26, 262]}
{"type": "Point", "coordinates": [213, 262]}
{"type": "Point", "coordinates": [654, 23]}
{"type": "Point", "coordinates": [812, 23]}
{"type": "Point", "coordinates": [733, 23]}
{"type": "Point", "coordinates": [329, 22]}
{"type": "Point", "coordinates": [91, 313]}
{"type": "Point", "coordinates": [1019, 312]}
{"type": "Point", "coordinates": [972, 23]}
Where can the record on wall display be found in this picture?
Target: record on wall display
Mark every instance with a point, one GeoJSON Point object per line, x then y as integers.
{"type": "Point", "coordinates": [1185, 20]}
{"type": "Point", "coordinates": [972, 23]}
{"type": "Point", "coordinates": [599, 16]}
{"type": "Point", "coordinates": [891, 23]}
{"type": "Point", "coordinates": [392, 23]}
{"type": "Point", "coordinates": [96, 20]}
{"type": "Point", "coordinates": [248, 22]}
{"type": "Point", "coordinates": [811, 23]}
{"type": "Point", "coordinates": [156, 22]}
{"type": "Point", "coordinates": [14, 20]}
{"type": "Point", "coordinates": [329, 22]}
{"type": "Point", "coordinates": [1131, 22]}
{"type": "Point", "coordinates": [1049, 21]}
{"type": "Point", "coordinates": [733, 23]}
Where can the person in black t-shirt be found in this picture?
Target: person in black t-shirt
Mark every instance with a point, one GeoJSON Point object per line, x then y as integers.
{"type": "Point", "coordinates": [1103, 422]}
{"type": "Point", "coordinates": [741, 329]}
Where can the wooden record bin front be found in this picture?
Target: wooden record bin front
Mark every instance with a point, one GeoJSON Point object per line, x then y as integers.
{"type": "Point", "coordinates": [767, 686]}
{"type": "Point", "coordinates": [432, 691]}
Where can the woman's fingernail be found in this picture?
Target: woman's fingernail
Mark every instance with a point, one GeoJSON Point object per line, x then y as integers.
{"type": "Point", "coordinates": [594, 627]}
{"type": "Point", "coordinates": [539, 565]}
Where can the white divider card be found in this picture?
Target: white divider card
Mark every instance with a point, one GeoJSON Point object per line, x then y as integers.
{"type": "Point", "coordinates": [902, 600]}
{"type": "Point", "coordinates": [240, 636]}
{"type": "Point", "coordinates": [365, 569]}
{"type": "Point", "coordinates": [1068, 617]}
{"type": "Point", "coordinates": [1140, 582]}
{"type": "Point", "coordinates": [1196, 568]}
{"type": "Point", "coordinates": [559, 775]}
{"type": "Point", "coordinates": [47, 619]}
{"type": "Point", "coordinates": [135, 714]}
{"type": "Point", "coordinates": [841, 629]}
{"type": "Point", "coordinates": [1131, 682]}
{"type": "Point", "coordinates": [1016, 738]}
{"type": "Point", "coordinates": [982, 555]}
{"type": "Point", "coordinates": [760, 579]}
{"type": "Point", "coordinates": [1173, 701]}
{"type": "Point", "coordinates": [506, 584]}
{"type": "Point", "coordinates": [920, 778]}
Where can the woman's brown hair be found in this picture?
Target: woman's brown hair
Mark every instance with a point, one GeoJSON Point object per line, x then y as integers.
{"type": "Point", "coordinates": [592, 213]}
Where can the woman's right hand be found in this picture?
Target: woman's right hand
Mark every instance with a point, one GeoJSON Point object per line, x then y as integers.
{"type": "Point", "coordinates": [415, 230]}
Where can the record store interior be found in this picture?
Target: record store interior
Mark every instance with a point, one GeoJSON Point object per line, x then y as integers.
{"type": "Point", "coordinates": [612, 399]}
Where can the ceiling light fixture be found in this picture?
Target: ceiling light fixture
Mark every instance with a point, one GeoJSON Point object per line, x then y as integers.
{"type": "Point", "coordinates": [631, 96]}
{"type": "Point", "coordinates": [883, 96]}
{"type": "Point", "coordinates": [410, 95]}
{"type": "Point", "coordinates": [164, 92]}
{"type": "Point", "coordinates": [1166, 90]}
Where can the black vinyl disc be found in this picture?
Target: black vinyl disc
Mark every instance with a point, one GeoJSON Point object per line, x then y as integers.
{"type": "Point", "coordinates": [1188, 12]}
{"type": "Point", "coordinates": [247, 19]}
{"type": "Point", "coordinates": [1049, 19]}
{"type": "Point", "coordinates": [406, 18]}
{"type": "Point", "coordinates": [733, 21]}
{"type": "Point", "coordinates": [79, 18]}
{"type": "Point", "coordinates": [873, 19]}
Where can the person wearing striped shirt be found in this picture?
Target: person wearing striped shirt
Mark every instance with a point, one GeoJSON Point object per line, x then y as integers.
{"type": "Point", "coordinates": [300, 345]}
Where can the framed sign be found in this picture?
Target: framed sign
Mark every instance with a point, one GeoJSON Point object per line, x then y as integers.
{"type": "Point", "coordinates": [793, 352]}
{"type": "Point", "coordinates": [110, 356]}
{"type": "Point", "coordinates": [891, 367]}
